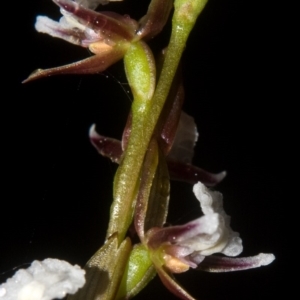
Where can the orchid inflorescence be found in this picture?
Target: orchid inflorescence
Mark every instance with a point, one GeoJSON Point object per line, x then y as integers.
{"type": "Point", "coordinates": [157, 144]}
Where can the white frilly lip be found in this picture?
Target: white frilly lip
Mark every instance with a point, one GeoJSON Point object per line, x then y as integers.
{"type": "Point", "coordinates": [213, 233]}
{"type": "Point", "coordinates": [43, 280]}
{"type": "Point", "coordinates": [209, 234]}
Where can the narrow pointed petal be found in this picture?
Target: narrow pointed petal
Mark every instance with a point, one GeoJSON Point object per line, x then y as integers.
{"type": "Point", "coordinates": [155, 19]}
{"type": "Point", "coordinates": [192, 174]}
{"type": "Point", "coordinates": [170, 126]}
{"type": "Point", "coordinates": [108, 25]}
{"type": "Point", "coordinates": [172, 111]}
{"type": "Point", "coordinates": [227, 264]}
{"type": "Point", "coordinates": [94, 64]}
{"type": "Point", "coordinates": [170, 283]}
{"type": "Point", "coordinates": [107, 147]}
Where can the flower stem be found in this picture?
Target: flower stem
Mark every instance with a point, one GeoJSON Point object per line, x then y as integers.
{"type": "Point", "coordinates": [145, 118]}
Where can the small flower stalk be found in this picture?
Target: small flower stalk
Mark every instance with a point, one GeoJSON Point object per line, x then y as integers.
{"type": "Point", "coordinates": [157, 146]}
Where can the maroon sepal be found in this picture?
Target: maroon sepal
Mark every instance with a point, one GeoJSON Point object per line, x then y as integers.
{"type": "Point", "coordinates": [107, 147]}
{"type": "Point", "coordinates": [170, 117]}
{"type": "Point", "coordinates": [94, 64]}
{"type": "Point", "coordinates": [155, 19]}
{"type": "Point", "coordinates": [228, 264]}
{"type": "Point", "coordinates": [191, 174]}
{"type": "Point", "coordinates": [170, 283]}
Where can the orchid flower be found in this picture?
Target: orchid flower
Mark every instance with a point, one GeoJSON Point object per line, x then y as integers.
{"type": "Point", "coordinates": [192, 244]}
{"type": "Point", "coordinates": [176, 249]}
{"type": "Point", "coordinates": [108, 35]}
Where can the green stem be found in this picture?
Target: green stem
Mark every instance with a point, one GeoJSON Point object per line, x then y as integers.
{"type": "Point", "coordinates": [184, 18]}
{"type": "Point", "coordinates": [145, 119]}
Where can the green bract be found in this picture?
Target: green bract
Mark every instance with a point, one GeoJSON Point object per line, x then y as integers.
{"type": "Point", "coordinates": [139, 271]}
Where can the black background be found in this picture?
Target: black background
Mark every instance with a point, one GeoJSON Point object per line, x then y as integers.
{"type": "Point", "coordinates": [56, 190]}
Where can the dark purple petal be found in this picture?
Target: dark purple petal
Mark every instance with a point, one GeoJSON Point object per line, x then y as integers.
{"type": "Point", "coordinates": [110, 24]}
{"type": "Point", "coordinates": [170, 116]}
{"type": "Point", "coordinates": [191, 174]}
{"type": "Point", "coordinates": [94, 64]}
{"type": "Point", "coordinates": [107, 147]}
{"type": "Point", "coordinates": [169, 119]}
{"type": "Point", "coordinates": [170, 283]}
{"type": "Point", "coordinates": [227, 264]}
{"type": "Point", "coordinates": [155, 19]}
